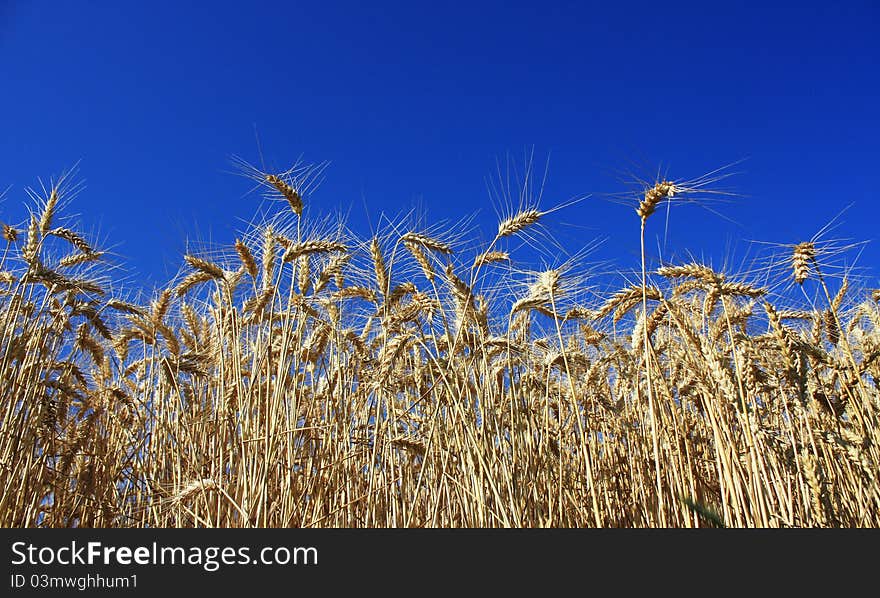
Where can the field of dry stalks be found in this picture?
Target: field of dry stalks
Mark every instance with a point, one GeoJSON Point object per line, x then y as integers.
{"type": "Point", "coordinates": [307, 377]}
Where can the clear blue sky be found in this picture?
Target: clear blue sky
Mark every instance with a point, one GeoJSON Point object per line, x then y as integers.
{"type": "Point", "coordinates": [413, 102]}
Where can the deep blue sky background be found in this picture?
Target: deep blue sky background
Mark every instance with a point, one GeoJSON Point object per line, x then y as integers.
{"type": "Point", "coordinates": [414, 102]}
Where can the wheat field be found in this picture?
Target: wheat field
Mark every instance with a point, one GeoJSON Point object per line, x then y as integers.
{"type": "Point", "coordinates": [311, 377]}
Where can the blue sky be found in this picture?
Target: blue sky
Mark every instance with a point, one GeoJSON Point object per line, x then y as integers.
{"type": "Point", "coordinates": [412, 103]}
